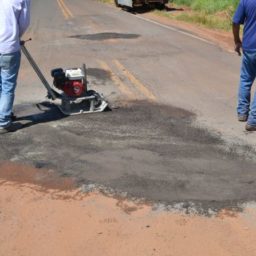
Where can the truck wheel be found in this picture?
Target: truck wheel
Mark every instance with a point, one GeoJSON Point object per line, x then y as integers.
{"type": "Point", "coordinates": [117, 4]}
{"type": "Point", "coordinates": [160, 6]}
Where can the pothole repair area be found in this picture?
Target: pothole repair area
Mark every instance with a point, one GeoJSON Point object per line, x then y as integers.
{"type": "Point", "coordinates": [143, 150]}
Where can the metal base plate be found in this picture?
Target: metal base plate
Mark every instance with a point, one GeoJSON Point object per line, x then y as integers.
{"type": "Point", "coordinates": [81, 105]}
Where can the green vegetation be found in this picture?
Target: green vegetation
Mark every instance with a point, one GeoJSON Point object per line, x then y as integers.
{"type": "Point", "coordinates": [209, 6]}
{"type": "Point", "coordinates": [210, 13]}
{"type": "Point", "coordinates": [206, 20]}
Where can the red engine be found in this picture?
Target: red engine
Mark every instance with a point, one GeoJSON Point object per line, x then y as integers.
{"type": "Point", "coordinates": [71, 81]}
{"type": "Point", "coordinates": [73, 88]}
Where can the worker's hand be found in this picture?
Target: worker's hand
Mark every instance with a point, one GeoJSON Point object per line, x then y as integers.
{"type": "Point", "coordinates": [238, 47]}
{"type": "Point", "coordinates": [22, 42]}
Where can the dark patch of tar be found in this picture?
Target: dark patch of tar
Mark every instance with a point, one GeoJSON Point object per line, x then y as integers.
{"type": "Point", "coordinates": [99, 74]}
{"type": "Point", "coordinates": [146, 150]}
{"type": "Point", "coordinates": [105, 36]}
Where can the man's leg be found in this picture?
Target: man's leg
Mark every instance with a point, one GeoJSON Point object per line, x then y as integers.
{"type": "Point", "coordinates": [0, 82]}
{"type": "Point", "coordinates": [246, 80]}
{"type": "Point", "coordinates": [9, 72]}
{"type": "Point", "coordinates": [252, 117]}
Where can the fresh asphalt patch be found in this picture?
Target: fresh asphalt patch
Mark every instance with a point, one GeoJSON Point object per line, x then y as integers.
{"type": "Point", "coordinates": [141, 150]}
{"type": "Point", "coordinates": [105, 36]}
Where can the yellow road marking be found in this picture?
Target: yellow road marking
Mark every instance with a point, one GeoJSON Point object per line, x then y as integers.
{"type": "Point", "coordinates": [122, 87]}
{"type": "Point", "coordinates": [66, 12]}
{"type": "Point", "coordinates": [67, 9]}
{"type": "Point", "coordinates": [141, 87]}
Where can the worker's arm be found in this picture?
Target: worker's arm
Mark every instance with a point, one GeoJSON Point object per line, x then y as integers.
{"type": "Point", "coordinates": [24, 18]}
{"type": "Point", "coordinates": [237, 40]}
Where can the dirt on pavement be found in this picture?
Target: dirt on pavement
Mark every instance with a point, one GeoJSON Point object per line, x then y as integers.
{"type": "Point", "coordinates": [40, 218]}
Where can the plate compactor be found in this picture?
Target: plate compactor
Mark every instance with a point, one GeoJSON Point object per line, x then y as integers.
{"type": "Point", "coordinates": [71, 95]}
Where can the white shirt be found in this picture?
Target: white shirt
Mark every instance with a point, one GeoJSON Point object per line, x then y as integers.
{"type": "Point", "coordinates": [14, 20]}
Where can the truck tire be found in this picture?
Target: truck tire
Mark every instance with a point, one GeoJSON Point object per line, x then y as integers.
{"type": "Point", "coordinates": [160, 6]}
{"type": "Point", "coordinates": [117, 4]}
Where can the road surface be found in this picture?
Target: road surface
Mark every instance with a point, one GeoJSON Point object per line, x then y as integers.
{"type": "Point", "coordinates": [172, 135]}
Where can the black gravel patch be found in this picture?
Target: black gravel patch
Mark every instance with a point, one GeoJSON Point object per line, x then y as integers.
{"type": "Point", "coordinates": [145, 150]}
{"type": "Point", "coordinates": [105, 36]}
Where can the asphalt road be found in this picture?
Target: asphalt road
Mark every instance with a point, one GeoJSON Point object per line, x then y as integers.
{"type": "Point", "coordinates": [172, 134]}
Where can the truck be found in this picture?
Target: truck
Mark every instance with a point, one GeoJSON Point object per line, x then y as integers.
{"type": "Point", "coordinates": [131, 4]}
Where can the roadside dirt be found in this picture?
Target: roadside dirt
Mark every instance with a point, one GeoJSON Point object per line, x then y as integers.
{"type": "Point", "coordinates": [221, 38]}
{"type": "Point", "coordinates": [40, 218]}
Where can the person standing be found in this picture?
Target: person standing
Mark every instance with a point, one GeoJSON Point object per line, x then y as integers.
{"type": "Point", "coordinates": [246, 15]}
{"type": "Point", "coordinates": [14, 20]}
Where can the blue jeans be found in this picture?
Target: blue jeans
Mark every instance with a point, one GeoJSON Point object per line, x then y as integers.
{"type": "Point", "coordinates": [247, 77]}
{"type": "Point", "coordinates": [9, 68]}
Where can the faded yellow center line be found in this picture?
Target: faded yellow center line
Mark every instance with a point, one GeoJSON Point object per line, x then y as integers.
{"type": "Point", "coordinates": [122, 87]}
{"type": "Point", "coordinates": [65, 10]}
{"type": "Point", "coordinates": [141, 87]}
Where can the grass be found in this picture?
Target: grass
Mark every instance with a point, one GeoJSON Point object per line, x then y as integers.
{"type": "Point", "coordinates": [209, 6]}
{"type": "Point", "coordinates": [215, 14]}
{"type": "Point", "coordinates": [220, 22]}
{"type": "Point", "coordinates": [107, 1]}
{"type": "Point", "coordinates": [206, 20]}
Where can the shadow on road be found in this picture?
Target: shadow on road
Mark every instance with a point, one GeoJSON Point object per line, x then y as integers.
{"type": "Point", "coordinates": [145, 9]}
{"type": "Point", "coordinates": [40, 113]}
{"type": "Point", "coordinates": [46, 112]}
